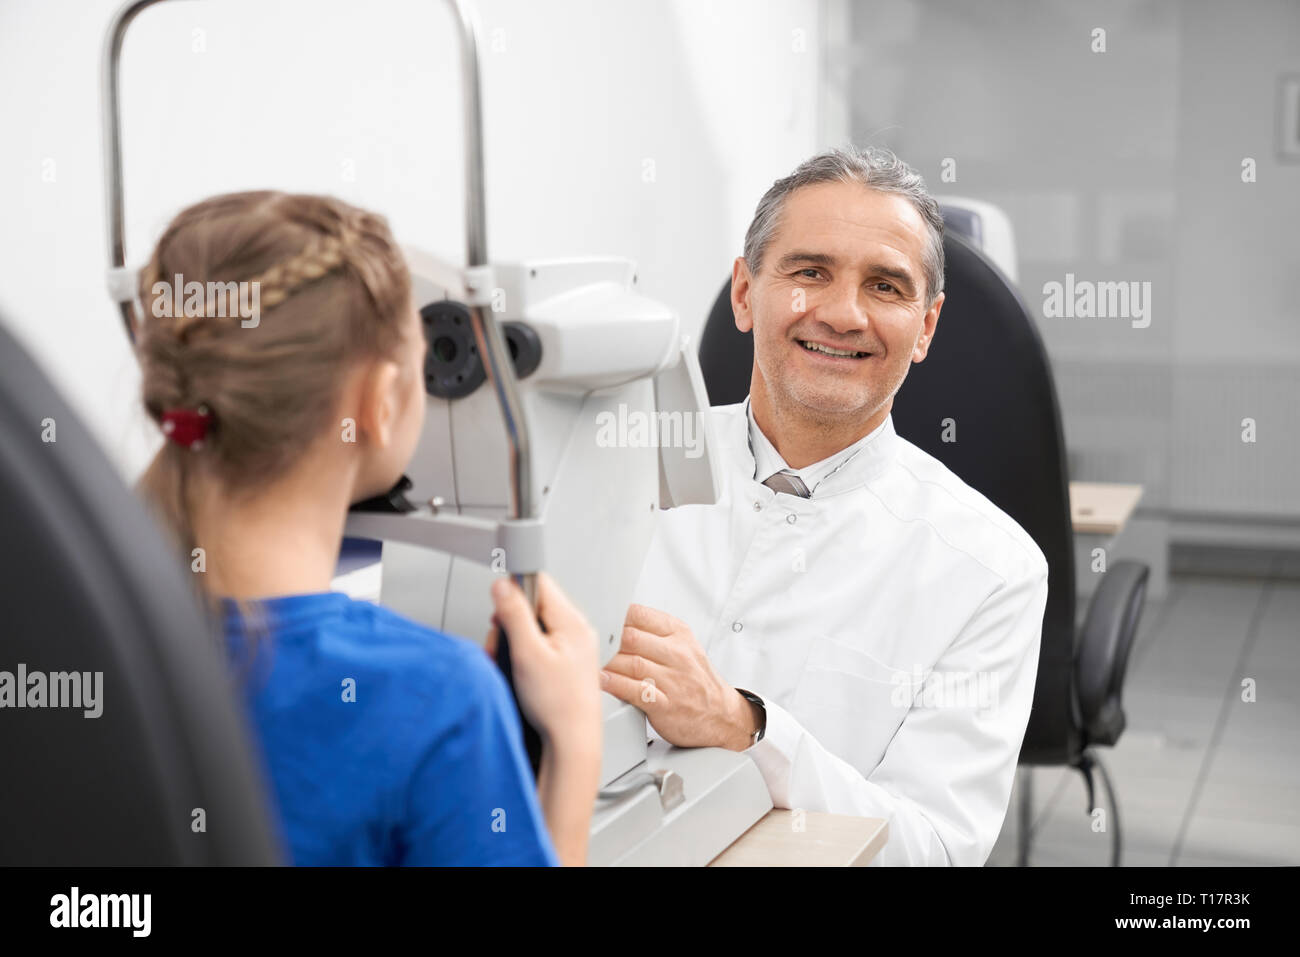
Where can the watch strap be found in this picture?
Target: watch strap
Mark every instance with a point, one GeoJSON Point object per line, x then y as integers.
{"type": "Point", "coordinates": [762, 710]}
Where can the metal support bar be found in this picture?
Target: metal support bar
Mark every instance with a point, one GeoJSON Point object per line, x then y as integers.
{"type": "Point", "coordinates": [111, 115]}
{"type": "Point", "coordinates": [520, 540]}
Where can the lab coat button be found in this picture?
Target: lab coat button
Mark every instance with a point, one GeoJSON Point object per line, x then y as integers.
{"type": "Point", "coordinates": [792, 518]}
{"type": "Point", "coordinates": [758, 506]}
{"type": "Point", "coordinates": [736, 626]}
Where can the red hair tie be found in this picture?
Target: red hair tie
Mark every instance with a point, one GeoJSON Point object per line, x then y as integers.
{"type": "Point", "coordinates": [187, 427]}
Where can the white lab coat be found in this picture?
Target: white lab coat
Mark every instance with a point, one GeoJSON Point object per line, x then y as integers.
{"type": "Point", "coordinates": [891, 624]}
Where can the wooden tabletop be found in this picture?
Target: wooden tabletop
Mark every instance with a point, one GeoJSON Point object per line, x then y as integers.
{"type": "Point", "coordinates": [1102, 508]}
{"type": "Point", "coordinates": [785, 838]}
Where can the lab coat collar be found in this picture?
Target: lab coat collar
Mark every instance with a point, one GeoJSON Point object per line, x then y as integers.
{"type": "Point", "coordinates": [877, 453]}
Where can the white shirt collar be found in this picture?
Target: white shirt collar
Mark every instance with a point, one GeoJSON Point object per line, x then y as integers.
{"type": "Point", "coordinates": [851, 464]}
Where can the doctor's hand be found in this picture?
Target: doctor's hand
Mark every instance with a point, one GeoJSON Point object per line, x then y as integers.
{"type": "Point", "coordinates": [661, 669]}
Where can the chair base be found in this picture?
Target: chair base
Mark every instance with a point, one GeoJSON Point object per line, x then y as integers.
{"type": "Point", "coordinates": [1086, 761]}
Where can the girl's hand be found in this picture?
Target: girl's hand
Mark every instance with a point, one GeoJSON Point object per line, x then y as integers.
{"type": "Point", "coordinates": [556, 675]}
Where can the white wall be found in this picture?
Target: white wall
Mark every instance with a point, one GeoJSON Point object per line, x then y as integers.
{"type": "Point", "coordinates": [1237, 341]}
{"type": "Point", "coordinates": [361, 101]}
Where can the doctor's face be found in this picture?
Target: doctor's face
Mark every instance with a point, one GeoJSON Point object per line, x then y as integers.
{"type": "Point", "coordinates": [843, 274]}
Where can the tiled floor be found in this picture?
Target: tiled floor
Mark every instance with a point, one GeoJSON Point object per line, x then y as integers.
{"type": "Point", "coordinates": [1203, 777]}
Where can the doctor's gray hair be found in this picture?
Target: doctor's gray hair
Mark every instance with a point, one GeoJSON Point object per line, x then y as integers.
{"type": "Point", "coordinates": [874, 167]}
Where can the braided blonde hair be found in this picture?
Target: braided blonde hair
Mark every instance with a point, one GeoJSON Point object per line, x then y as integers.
{"type": "Point", "coordinates": [334, 290]}
{"type": "Point", "coordinates": [326, 254]}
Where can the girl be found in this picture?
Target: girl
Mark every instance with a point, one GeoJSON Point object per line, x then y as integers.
{"type": "Point", "coordinates": [385, 742]}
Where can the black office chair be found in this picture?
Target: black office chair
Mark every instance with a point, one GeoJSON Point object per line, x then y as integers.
{"type": "Point", "coordinates": [165, 774]}
{"type": "Point", "coordinates": [988, 371]}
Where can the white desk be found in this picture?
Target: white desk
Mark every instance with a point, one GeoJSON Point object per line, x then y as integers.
{"type": "Point", "coordinates": [780, 839]}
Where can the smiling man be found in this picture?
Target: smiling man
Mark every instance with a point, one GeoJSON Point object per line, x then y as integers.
{"type": "Point", "coordinates": [850, 613]}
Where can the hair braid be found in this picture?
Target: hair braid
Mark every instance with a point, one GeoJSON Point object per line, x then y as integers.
{"type": "Point", "coordinates": [324, 255]}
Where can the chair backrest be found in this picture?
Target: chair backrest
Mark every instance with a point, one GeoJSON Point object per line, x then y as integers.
{"type": "Point", "coordinates": [165, 774]}
{"type": "Point", "coordinates": [988, 373]}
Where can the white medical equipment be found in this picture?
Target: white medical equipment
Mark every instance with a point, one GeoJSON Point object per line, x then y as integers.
{"type": "Point", "coordinates": [564, 409]}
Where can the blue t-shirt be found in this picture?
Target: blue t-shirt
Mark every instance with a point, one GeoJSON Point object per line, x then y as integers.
{"type": "Point", "coordinates": [385, 742]}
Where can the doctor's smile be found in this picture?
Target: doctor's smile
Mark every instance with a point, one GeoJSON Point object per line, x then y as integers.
{"type": "Point", "coordinates": [822, 349]}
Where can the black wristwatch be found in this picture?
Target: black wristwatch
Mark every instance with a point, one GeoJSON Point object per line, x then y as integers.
{"type": "Point", "coordinates": [762, 710]}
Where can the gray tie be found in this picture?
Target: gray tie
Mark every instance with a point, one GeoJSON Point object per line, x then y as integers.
{"type": "Point", "coordinates": [788, 483]}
